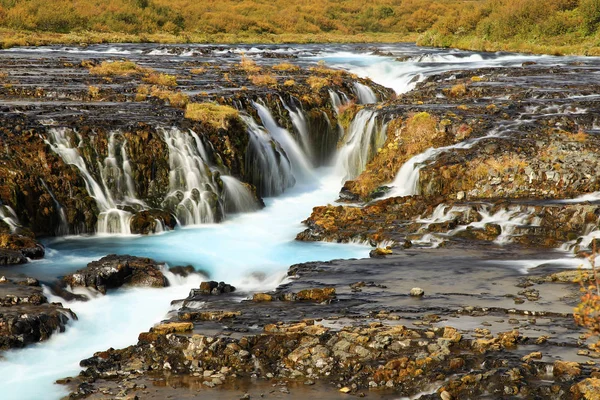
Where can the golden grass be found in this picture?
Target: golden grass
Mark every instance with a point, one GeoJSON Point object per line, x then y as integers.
{"type": "Point", "coordinates": [198, 71]}
{"type": "Point", "coordinates": [117, 68]}
{"type": "Point", "coordinates": [94, 92]}
{"type": "Point", "coordinates": [263, 80]}
{"type": "Point", "coordinates": [317, 83]}
{"type": "Point", "coordinates": [160, 79]}
{"type": "Point", "coordinates": [289, 83]}
{"type": "Point", "coordinates": [458, 90]}
{"type": "Point", "coordinates": [249, 65]}
{"type": "Point", "coordinates": [286, 67]}
{"type": "Point", "coordinates": [174, 98]}
{"type": "Point", "coordinates": [212, 114]}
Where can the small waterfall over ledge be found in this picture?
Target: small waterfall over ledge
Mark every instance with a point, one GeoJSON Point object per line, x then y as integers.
{"type": "Point", "coordinates": [9, 217]}
{"type": "Point", "coordinates": [199, 192]}
{"type": "Point", "coordinates": [363, 138]}
{"type": "Point", "coordinates": [364, 93]}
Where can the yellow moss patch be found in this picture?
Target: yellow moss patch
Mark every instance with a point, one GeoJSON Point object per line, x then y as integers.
{"type": "Point", "coordinates": [458, 90]}
{"type": "Point", "coordinates": [286, 67]}
{"type": "Point", "coordinates": [317, 82]}
{"type": "Point", "coordinates": [249, 65]}
{"type": "Point", "coordinates": [263, 80]}
{"type": "Point", "coordinates": [160, 79]}
{"type": "Point", "coordinates": [289, 82]}
{"type": "Point", "coordinates": [198, 71]}
{"type": "Point", "coordinates": [111, 68]}
{"type": "Point", "coordinates": [175, 98]}
{"type": "Point", "coordinates": [94, 91]}
{"type": "Point", "coordinates": [213, 114]}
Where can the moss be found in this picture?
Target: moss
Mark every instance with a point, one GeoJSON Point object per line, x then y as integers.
{"type": "Point", "coordinates": [263, 80]}
{"type": "Point", "coordinates": [161, 79]}
{"type": "Point", "coordinates": [317, 83]}
{"type": "Point", "coordinates": [122, 68]}
{"type": "Point", "coordinates": [212, 114]}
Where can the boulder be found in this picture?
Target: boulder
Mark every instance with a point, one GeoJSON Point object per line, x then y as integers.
{"type": "Point", "coordinates": [114, 271]}
{"type": "Point", "coordinates": [587, 389]}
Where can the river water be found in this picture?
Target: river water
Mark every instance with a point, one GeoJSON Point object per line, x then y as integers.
{"type": "Point", "coordinates": [251, 250]}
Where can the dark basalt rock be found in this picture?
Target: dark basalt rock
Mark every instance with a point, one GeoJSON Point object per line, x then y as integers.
{"type": "Point", "coordinates": [212, 287]}
{"type": "Point", "coordinates": [16, 248]}
{"type": "Point", "coordinates": [114, 271]}
{"type": "Point", "coordinates": [11, 257]}
{"type": "Point", "coordinates": [26, 317]}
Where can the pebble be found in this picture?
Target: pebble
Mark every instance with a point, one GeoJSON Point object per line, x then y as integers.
{"type": "Point", "coordinates": [417, 292]}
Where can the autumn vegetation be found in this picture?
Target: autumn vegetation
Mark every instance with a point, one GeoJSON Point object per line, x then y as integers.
{"type": "Point", "coordinates": [557, 26]}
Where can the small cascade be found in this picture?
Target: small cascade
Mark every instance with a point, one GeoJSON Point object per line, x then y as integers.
{"type": "Point", "coordinates": [267, 164]}
{"type": "Point", "coordinates": [9, 217]}
{"type": "Point", "coordinates": [193, 189]}
{"type": "Point", "coordinates": [63, 225]}
{"type": "Point", "coordinates": [364, 94]}
{"type": "Point", "coordinates": [111, 220]}
{"type": "Point", "coordinates": [336, 101]}
{"type": "Point", "coordinates": [301, 165]}
{"type": "Point", "coordinates": [236, 196]}
{"type": "Point", "coordinates": [361, 142]}
{"type": "Point", "coordinates": [406, 182]}
{"type": "Point", "coordinates": [301, 126]}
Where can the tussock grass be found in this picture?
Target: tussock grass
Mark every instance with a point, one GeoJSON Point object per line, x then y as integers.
{"type": "Point", "coordinates": [117, 68]}
{"type": "Point", "coordinates": [212, 114]}
{"type": "Point", "coordinates": [160, 79]}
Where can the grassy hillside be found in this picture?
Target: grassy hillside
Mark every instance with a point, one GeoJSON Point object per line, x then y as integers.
{"type": "Point", "coordinates": [535, 25]}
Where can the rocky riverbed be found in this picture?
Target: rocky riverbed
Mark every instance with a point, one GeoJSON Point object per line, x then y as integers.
{"type": "Point", "coordinates": [465, 186]}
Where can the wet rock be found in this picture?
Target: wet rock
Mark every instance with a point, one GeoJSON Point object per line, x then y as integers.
{"type": "Point", "coordinates": [567, 370]}
{"type": "Point", "coordinates": [380, 252]}
{"type": "Point", "coordinates": [214, 288]}
{"type": "Point", "coordinates": [152, 221]}
{"type": "Point", "coordinates": [587, 389]}
{"type": "Point", "coordinates": [172, 327]}
{"type": "Point", "coordinates": [317, 295]}
{"type": "Point", "coordinates": [417, 292]}
{"type": "Point", "coordinates": [259, 297]}
{"type": "Point", "coordinates": [183, 271]}
{"type": "Point", "coordinates": [114, 271]}
{"type": "Point", "coordinates": [11, 257]}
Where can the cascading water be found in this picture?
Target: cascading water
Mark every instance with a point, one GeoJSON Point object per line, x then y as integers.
{"type": "Point", "coordinates": [362, 140]}
{"type": "Point", "coordinates": [301, 166]}
{"type": "Point", "coordinates": [111, 219]}
{"type": "Point", "coordinates": [364, 94]}
{"type": "Point", "coordinates": [267, 164]}
{"type": "Point", "coordinates": [299, 121]}
{"type": "Point", "coordinates": [193, 190]}
{"type": "Point", "coordinates": [236, 196]}
{"type": "Point", "coordinates": [63, 225]}
{"type": "Point", "coordinates": [9, 217]}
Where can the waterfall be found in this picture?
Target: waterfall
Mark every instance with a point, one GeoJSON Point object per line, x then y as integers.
{"type": "Point", "coordinates": [301, 126]}
{"type": "Point", "coordinates": [9, 217]}
{"type": "Point", "coordinates": [301, 167]}
{"type": "Point", "coordinates": [267, 164]}
{"type": "Point", "coordinates": [236, 196]}
{"type": "Point", "coordinates": [364, 93]}
{"type": "Point", "coordinates": [111, 220]}
{"type": "Point", "coordinates": [193, 190]}
{"type": "Point", "coordinates": [63, 225]}
{"type": "Point", "coordinates": [361, 142]}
